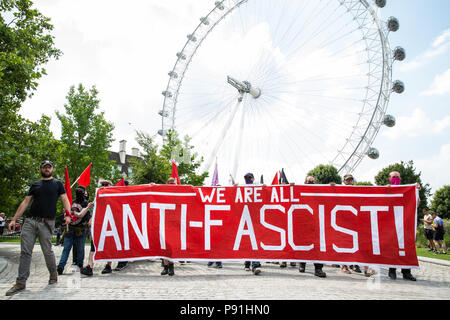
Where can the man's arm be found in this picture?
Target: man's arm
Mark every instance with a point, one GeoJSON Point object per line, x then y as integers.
{"type": "Point", "coordinates": [83, 212]}
{"type": "Point", "coordinates": [20, 210]}
{"type": "Point", "coordinates": [66, 205]}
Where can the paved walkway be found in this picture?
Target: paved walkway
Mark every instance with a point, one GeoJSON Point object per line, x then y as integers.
{"type": "Point", "coordinates": [194, 281]}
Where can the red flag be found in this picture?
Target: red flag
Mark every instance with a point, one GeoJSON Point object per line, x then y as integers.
{"type": "Point", "coordinates": [85, 178]}
{"type": "Point", "coordinates": [67, 185]}
{"type": "Point", "coordinates": [175, 172]}
{"type": "Point", "coordinates": [120, 183]}
{"type": "Point", "coordinates": [276, 179]}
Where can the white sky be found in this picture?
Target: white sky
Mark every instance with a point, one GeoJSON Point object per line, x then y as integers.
{"type": "Point", "coordinates": [127, 48]}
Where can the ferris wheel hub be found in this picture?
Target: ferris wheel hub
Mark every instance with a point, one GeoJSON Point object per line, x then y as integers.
{"type": "Point", "coordinates": [244, 87]}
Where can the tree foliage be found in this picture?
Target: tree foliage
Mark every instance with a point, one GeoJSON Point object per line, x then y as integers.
{"type": "Point", "coordinates": [324, 174]}
{"type": "Point", "coordinates": [156, 164]}
{"type": "Point", "coordinates": [441, 202]}
{"type": "Point", "coordinates": [409, 176]}
{"type": "Point", "coordinates": [87, 136]}
{"type": "Point", "coordinates": [26, 45]}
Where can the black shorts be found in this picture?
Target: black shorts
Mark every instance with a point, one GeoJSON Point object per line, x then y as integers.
{"type": "Point", "coordinates": [438, 235]}
{"type": "Point", "coordinates": [429, 234]}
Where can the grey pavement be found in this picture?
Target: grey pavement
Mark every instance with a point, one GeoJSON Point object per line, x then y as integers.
{"type": "Point", "coordinates": [141, 280]}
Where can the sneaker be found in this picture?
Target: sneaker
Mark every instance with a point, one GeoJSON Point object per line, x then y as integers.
{"type": "Point", "coordinates": [165, 270]}
{"type": "Point", "coordinates": [87, 271]}
{"type": "Point", "coordinates": [409, 276]}
{"type": "Point", "coordinates": [210, 264]}
{"type": "Point", "coordinates": [121, 265]}
{"type": "Point", "coordinates": [256, 271]}
{"type": "Point", "coordinates": [302, 267]}
{"type": "Point", "coordinates": [357, 269]}
{"type": "Point", "coordinates": [171, 269]}
{"type": "Point", "coordinates": [293, 264]}
{"type": "Point", "coordinates": [319, 273]}
{"type": "Point", "coordinates": [60, 270]}
{"type": "Point", "coordinates": [53, 278]}
{"type": "Point", "coordinates": [107, 269]}
{"type": "Point", "coordinates": [392, 274]}
{"type": "Point", "coordinates": [15, 289]}
{"type": "Point", "coordinates": [369, 273]}
{"type": "Point", "coordinates": [219, 265]}
{"type": "Point", "coordinates": [283, 265]}
{"type": "Point", "coordinates": [437, 252]}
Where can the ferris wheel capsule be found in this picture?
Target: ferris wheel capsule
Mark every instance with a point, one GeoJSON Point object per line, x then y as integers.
{"type": "Point", "coordinates": [393, 24]}
{"type": "Point", "coordinates": [373, 153]}
{"type": "Point", "coordinates": [398, 86]}
{"type": "Point", "coordinates": [380, 3]}
{"type": "Point", "coordinates": [399, 54]}
{"type": "Point", "coordinates": [389, 120]}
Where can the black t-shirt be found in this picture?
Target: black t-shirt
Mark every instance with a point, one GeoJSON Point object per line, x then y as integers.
{"type": "Point", "coordinates": [45, 196]}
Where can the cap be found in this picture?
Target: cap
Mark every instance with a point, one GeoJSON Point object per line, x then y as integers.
{"type": "Point", "coordinates": [348, 176]}
{"type": "Point", "coordinates": [47, 162]}
{"type": "Point", "coordinates": [249, 175]}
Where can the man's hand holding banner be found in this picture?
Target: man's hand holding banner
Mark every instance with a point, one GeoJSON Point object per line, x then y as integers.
{"type": "Point", "coordinates": [310, 223]}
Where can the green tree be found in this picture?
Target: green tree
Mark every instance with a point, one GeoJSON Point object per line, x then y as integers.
{"type": "Point", "coordinates": [26, 45]}
{"type": "Point", "coordinates": [152, 167]}
{"type": "Point", "coordinates": [409, 176]}
{"type": "Point", "coordinates": [363, 183]}
{"type": "Point", "coordinates": [324, 174]}
{"type": "Point", "coordinates": [87, 136]}
{"type": "Point", "coordinates": [24, 148]}
{"type": "Point", "coordinates": [441, 202]}
{"type": "Point", "coordinates": [156, 166]}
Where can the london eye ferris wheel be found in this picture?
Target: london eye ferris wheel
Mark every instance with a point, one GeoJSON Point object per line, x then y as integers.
{"type": "Point", "coordinates": [262, 85]}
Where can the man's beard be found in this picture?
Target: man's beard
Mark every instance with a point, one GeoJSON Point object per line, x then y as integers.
{"type": "Point", "coordinates": [46, 174]}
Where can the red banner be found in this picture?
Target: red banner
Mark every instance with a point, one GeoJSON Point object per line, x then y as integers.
{"type": "Point", "coordinates": [310, 223]}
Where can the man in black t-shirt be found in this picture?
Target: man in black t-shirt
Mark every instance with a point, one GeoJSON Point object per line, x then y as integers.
{"type": "Point", "coordinates": [40, 223]}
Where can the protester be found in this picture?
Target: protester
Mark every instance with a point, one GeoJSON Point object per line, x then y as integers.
{"type": "Point", "coordinates": [318, 272]}
{"type": "Point", "coordinates": [89, 269]}
{"type": "Point", "coordinates": [168, 266]}
{"type": "Point", "coordinates": [76, 232]}
{"type": "Point", "coordinates": [395, 179]}
{"type": "Point", "coordinates": [428, 228]}
{"type": "Point", "coordinates": [43, 196]}
{"type": "Point", "coordinates": [122, 264]}
{"type": "Point", "coordinates": [2, 222]}
{"type": "Point", "coordinates": [256, 265]}
{"type": "Point", "coordinates": [439, 231]}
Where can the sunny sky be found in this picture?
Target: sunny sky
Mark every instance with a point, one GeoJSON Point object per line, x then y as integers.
{"type": "Point", "coordinates": [127, 50]}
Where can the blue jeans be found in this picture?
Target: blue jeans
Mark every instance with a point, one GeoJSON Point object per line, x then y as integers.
{"type": "Point", "coordinates": [69, 240]}
{"type": "Point", "coordinates": [255, 264]}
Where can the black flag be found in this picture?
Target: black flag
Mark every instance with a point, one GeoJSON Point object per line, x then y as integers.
{"type": "Point", "coordinates": [261, 180]}
{"type": "Point", "coordinates": [283, 179]}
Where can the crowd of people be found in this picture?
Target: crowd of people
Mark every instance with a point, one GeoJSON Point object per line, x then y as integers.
{"type": "Point", "coordinates": [75, 226]}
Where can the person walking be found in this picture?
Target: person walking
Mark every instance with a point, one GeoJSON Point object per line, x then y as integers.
{"type": "Point", "coordinates": [395, 179]}
{"type": "Point", "coordinates": [428, 228]}
{"type": "Point", "coordinates": [89, 269]}
{"type": "Point", "coordinates": [318, 272]}
{"type": "Point", "coordinates": [77, 231]}
{"type": "Point", "coordinates": [439, 231]}
{"type": "Point", "coordinates": [2, 222]}
{"type": "Point", "coordinates": [256, 265]}
{"type": "Point", "coordinates": [168, 266]}
{"type": "Point", "coordinates": [43, 196]}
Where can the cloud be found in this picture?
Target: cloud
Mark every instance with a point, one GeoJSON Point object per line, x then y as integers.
{"type": "Point", "coordinates": [440, 85]}
{"type": "Point", "coordinates": [434, 167]}
{"type": "Point", "coordinates": [417, 124]}
{"type": "Point", "coordinates": [439, 46]}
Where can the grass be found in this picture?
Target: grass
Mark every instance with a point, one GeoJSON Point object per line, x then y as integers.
{"type": "Point", "coordinates": [423, 252]}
